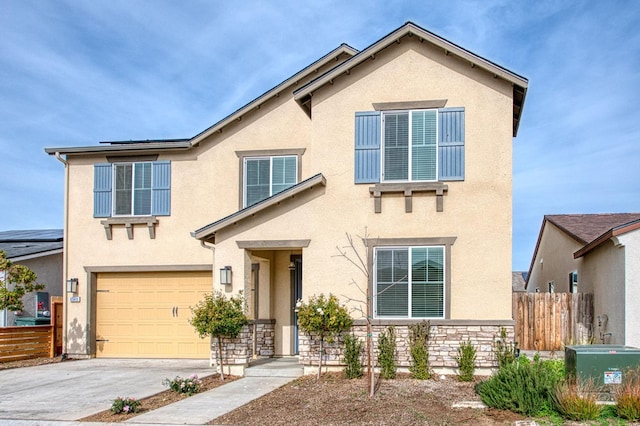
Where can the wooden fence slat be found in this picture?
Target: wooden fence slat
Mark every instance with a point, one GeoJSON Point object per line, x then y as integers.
{"type": "Point", "coordinates": [549, 321]}
{"type": "Point", "coordinates": [18, 343]}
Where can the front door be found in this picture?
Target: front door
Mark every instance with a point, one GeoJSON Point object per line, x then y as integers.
{"type": "Point", "coordinates": [296, 283]}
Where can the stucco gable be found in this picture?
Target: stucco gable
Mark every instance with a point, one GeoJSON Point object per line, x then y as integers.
{"type": "Point", "coordinates": [520, 84]}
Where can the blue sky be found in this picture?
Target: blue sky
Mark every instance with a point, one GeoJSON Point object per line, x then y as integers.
{"type": "Point", "coordinates": [73, 73]}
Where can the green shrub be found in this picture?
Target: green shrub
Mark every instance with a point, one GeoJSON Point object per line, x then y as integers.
{"type": "Point", "coordinates": [352, 354]}
{"type": "Point", "coordinates": [628, 396]}
{"type": "Point", "coordinates": [506, 352]}
{"type": "Point", "coordinates": [522, 387]}
{"type": "Point", "coordinates": [125, 405]}
{"type": "Point", "coordinates": [419, 349]}
{"type": "Point", "coordinates": [188, 385]}
{"type": "Point", "coordinates": [387, 353]}
{"type": "Point", "coordinates": [466, 360]}
{"type": "Point", "coordinates": [576, 401]}
{"type": "Point", "coordinates": [323, 318]}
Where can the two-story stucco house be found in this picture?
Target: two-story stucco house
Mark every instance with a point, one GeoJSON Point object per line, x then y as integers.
{"type": "Point", "coordinates": [410, 139]}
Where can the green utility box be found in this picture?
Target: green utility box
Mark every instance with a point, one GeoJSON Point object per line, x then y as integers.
{"type": "Point", "coordinates": [605, 364]}
{"type": "Point", "coordinates": [33, 321]}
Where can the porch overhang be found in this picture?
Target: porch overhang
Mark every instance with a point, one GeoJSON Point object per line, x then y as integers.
{"type": "Point", "coordinates": [208, 233]}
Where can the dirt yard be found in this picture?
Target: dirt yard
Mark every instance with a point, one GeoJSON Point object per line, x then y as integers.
{"type": "Point", "coordinates": [335, 400]}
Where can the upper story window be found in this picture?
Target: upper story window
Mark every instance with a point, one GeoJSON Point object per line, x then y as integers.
{"type": "Point", "coordinates": [409, 282]}
{"type": "Point", "coordinates": [422, 145]}
{"type": "Point", "coordinates": [266, 176]}
{"type": "Point", "coordinates": [132, 189]}
{"type": "Point", "coordinates": [409, 145]}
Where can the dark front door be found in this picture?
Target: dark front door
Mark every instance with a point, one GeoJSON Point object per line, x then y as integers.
{"type": "Point", "coordinates": [296, 282]}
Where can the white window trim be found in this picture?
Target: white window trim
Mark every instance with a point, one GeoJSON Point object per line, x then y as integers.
{"type": "Point", "coordinates": [410, 153]}
{"type": "Point", "coordinates": [263, 157]}
{"type": "Point", "coordinates": [114, 166]}
{"type": "Point", "coordinates": [410, 282]}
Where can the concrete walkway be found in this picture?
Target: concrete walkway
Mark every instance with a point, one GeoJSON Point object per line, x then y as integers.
{"type": "Point", "coordinates": [260, 379]}
{"type": "Point", "coordinates": [203, 407]}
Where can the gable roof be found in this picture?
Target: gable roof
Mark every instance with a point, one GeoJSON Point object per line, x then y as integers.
{"type": "Point", "coordinates": [346, 58]}
{"type": "Point", "coordinates": [208, 232]}
{"type": "Point", "coordinates": [409, 29]}
{"type": "Point", "coordinates": [31, 243]}
{"type": "Point", "coordinates": [588, 230]}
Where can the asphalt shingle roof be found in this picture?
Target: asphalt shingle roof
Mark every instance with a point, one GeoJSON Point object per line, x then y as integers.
{"type": "Point", "coordinates": [30, 242]}
{"type": "Point", "coordinates": [585, 228]}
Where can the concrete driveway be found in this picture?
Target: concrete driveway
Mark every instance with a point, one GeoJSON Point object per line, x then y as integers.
{"type": "Point", "coordinates": [74, 389]}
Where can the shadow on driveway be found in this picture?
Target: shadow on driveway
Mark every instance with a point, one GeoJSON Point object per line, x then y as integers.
{"type": "Point", "coordinates": [74, 389]}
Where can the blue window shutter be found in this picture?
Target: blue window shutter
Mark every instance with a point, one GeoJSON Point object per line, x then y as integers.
{"type": "Point", "coordinates": [367, 154]}
{"type": "Point", "coordinates": [451, 143]}
{"type": "Point", "coordinates": [161, 188]}
{"type": "Point", "coordinates": [102, 180]}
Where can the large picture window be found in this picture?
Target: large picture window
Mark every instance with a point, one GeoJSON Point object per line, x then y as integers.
{"type": "Point", "coordinates": [409, 282]}
{"type": "Point", "coordinates": [267, 176]}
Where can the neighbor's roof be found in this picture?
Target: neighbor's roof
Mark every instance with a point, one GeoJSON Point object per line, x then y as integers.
{"type": "Point", "coordinates": [585, 228]}
{"type": "Point", "coordinates": [31, 243]}
{"type": "Point", "coordinates": [518, 280]}
{"type": "Point", "coordinates": [589, 230]}
{"type": "Point", "coordinates": [347, 58]}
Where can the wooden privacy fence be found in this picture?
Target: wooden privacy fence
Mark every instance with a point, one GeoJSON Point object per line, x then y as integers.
{"type": "Point", "coordinates": [549, 321]}
{"type": "Point", "coordinates": [18, 343]}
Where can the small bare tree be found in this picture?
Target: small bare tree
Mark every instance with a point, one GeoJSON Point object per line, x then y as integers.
{"type": "Point", "coordinates": [351, 252]}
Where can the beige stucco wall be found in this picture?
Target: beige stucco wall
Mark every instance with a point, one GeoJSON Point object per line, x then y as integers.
{"type": "Point", "coordinates": [206, 187]}
{"type": "Point", "coordinates": [554, 261]}
{"type": "Point", "coordinates": [631, 243]}
{"type": "Point", "coordinates": [602, 274]}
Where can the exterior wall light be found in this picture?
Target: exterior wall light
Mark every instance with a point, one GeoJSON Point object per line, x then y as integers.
{"type": "Point", "coordinates": [225, 275]}
{"type": "Point", "coordinates": [72, 285]}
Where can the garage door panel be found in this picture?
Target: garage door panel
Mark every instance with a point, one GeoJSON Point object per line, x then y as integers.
{"type": "Point", "coordinates": [146, 314]}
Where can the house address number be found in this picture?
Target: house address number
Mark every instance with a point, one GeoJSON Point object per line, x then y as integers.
{"type": "Point", "coordinates": [74, 299]}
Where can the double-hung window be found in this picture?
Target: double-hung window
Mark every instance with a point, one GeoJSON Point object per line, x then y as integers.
{"type": "Point", "coordinates": [409, 282]}
{"type": "Point", "coordinates": [132, 189]}
{"type": "Point", "coordinates": [267, 176]}
{"type": "Point", "coordinates": [410, 143]}
{"type": "Point", "coordinates": [141, 188]}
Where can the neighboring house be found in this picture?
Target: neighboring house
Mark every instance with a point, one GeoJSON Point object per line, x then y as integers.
{"type": "Point", "coordinates": [598, 254]}
{"type": "Point", "coordinates": [409, 140]}
{"type": "Point", "coordinates": [40, 251]}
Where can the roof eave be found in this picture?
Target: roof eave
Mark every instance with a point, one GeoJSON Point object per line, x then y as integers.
{"type": "Point", "coordinates": [120, 148]}
{"type": "Point", "coordinates": [614, 232]}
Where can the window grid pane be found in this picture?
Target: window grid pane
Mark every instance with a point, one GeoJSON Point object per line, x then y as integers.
{"type": "Point", "coordinates": [396, 146]}
{"type": "Point", "coordinates": [123, 189]}
{"type": "Point", "coordinates": [423, 145]}
{"type": "Point", "coordinates": [142, 189]}
{"type": "Point", "coordinates": [284, 174]}
{"type": "Point", "coordinates": [257, 176]}
{"type": "Point", "coordinates": [392, 290]}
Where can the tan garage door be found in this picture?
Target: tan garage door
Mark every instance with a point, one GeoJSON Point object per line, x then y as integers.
{"type": "Point", "coordinates": [145, 315]}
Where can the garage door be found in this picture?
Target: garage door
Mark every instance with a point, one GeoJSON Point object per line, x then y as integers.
{"type": "Point", "coordinates": [145, 315]}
